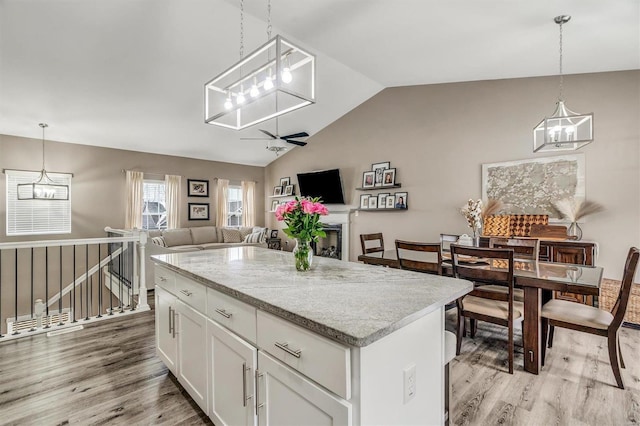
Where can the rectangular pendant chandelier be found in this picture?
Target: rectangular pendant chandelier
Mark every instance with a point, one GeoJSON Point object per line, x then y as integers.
{"type": "Point", "coordinates": [275, 79]}
{"type": "Point", "coordinates": [44, 188]}
{"type": "Point", "coordinates": [565, 130]}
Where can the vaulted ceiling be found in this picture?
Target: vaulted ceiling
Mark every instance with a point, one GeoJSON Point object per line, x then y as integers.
{"type": "Point", "coordinates": [129, 74]}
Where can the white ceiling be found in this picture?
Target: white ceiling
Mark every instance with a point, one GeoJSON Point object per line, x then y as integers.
{"type": "Point", "coordinates": [129, 74]}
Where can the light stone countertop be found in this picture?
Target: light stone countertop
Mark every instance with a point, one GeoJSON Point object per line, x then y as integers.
{"type": "Point", "coordinates": [352, 303]}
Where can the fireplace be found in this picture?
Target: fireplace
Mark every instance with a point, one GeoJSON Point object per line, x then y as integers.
{"type": "Point", "coordinates": [331, 245]}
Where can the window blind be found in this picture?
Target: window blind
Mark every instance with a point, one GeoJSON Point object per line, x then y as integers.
{"type": "Point", "coordinates": [36, 217]}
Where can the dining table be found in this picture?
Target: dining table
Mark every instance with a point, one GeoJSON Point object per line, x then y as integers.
{"type": "Point", "coordinates": [538, 279]}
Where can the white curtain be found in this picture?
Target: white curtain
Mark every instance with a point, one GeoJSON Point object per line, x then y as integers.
{"type": "Point", "coordinates": [221, 202]}
{"type": "Point", "coordinates": [248, 203]}
{"type": "Point", "coordinates": [134, 194]}
{"type": "Point", "coordinates": [172, 184]}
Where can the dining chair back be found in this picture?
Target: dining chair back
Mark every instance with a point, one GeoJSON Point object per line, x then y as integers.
{"type": "Point", "coordinates": [372, 243]}
{"type": "Point", "coordinates": [523, 248]}
{"type": "Point", "coordinates": [486, 266]}
{"type": "Point", "coordinates": [413, 256]}
{"type": "Point", "coordinates": [588, 319]}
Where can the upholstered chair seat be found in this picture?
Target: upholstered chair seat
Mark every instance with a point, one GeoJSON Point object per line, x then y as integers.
{"type": "Point", "coordinates": [493, 308]}
{"type": "Point", "coordinates": [577, 313]}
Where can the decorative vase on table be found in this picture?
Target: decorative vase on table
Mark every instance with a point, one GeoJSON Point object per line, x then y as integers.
{"type": "Point", "coordinates": [575, 231]}
{"type": "Point", "coordinates": [303, 254]}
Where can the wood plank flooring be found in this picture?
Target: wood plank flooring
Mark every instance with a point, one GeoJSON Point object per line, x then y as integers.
{"type": "Point", "coordinates": [108, 374]}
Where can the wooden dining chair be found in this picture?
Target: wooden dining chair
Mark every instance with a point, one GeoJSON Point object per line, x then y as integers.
{"type": "Point", "coordinates": [482, 305]}
{"type": "Point", "coordinates": [411, 256]}
{"type": "Point", "coordinates": [523, 248]}
{"type": "Point", "coordinates": [377, 246]}
{"type": "Point", "coordinates": [579, 317]}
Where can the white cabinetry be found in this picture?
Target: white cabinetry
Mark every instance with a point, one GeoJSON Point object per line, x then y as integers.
{"type": "Point", "coordinates": [166, 346]}
{"type": "Point", "coordinates": [288, 398]}
{"type": "Point", "coordinates": [232, 365]}
{"type": "Point", "coordinates": [192, 353]}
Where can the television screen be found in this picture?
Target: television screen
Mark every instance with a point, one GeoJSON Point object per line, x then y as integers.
{"type": "Point", "coordinates": [325, 184]}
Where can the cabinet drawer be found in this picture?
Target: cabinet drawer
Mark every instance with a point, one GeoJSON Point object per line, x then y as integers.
{"type": "Point", "coordinates": [191, 293]}
{"type": "Point", "coordinates": [323, 360]}
{"type": "Point", "coordinates": [164, 278]}
{"type": "Point", "coordinates": [232, 313]}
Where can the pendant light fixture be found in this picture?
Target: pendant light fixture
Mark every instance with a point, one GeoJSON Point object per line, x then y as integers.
{"type": "Point", "coordinates": [44, 187]}
{"type": "Point", "coordinates": [564, 130]}
{"type": "Point", "coordinates": [277, 78]}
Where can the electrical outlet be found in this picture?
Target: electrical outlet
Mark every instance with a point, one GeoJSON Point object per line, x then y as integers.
{"type": "Point", "coordinates": [409, 382]}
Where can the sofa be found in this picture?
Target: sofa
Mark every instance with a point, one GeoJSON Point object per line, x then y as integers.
{"type": "Point", "coordinates": [199, 238]}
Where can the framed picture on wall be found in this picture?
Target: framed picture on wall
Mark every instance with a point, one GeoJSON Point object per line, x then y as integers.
{"type": "Point", "coordinates": [198, 211]}
{"type": "Point", "coordinates": [288, 190]}
{"type": "Point", "coordinates": [368, 179]}
{"type": "Point", "coordinates": [390, 202]}
{"type": "Point", "coordinates": [285, 181]}
{"type": "Point", "coordinates": [274, 205]}
{"type": "Point", "coordinates": [197, 188]}
{"type": "Point", "coordinates": [389, 177]}
{"type": "Point", "coordinates": [364, 201]}
{"type": "Point", "coordinates": [401, 200]}
{"type": "Point", "coordinates": [373, 202]}
{"type": "Point", "coordinates": [382, 200]}
{"type": "Point", "coordinates": [277, 191]}
{"type": "Point", "coordinates": [378, 168]}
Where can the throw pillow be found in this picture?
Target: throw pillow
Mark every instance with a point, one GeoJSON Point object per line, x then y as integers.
{"type": "Point", "coordinates": [231, 235]}
{"type": "Point", "coordinates": [520, 224]}
{"type": "Point", "coordinates": [158, 241]}
{"type": "Point", "coordinates": [177, 237]}
{"type": "Point", "coordinates": [244, 231]}
{"type": "Point", "coordinates": [204, 235]}
{"type": "Point", "coordinates": [255, 237]}
{"type": "Point", "coordinates": [496, 226]}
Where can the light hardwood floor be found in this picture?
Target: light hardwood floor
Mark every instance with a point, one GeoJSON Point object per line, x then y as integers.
{"type": "Point", "coordinates": [108, 374]}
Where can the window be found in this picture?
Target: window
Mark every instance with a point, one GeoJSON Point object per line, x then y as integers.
{"type": "Point", "coordinates": [36, 217]}
{"type": "Point", "coordinates": [154, 212]}
{"type": "Point", "coordinates": [234, 205]}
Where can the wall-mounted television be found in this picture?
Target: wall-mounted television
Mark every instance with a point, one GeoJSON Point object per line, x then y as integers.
{"type": "Point", "coordinates": [325, 184]}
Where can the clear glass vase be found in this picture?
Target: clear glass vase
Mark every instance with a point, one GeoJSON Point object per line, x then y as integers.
{"type": "Point", "coordinates": [303, 255]}
{"type": "Point", "coordinates": [574, 231]}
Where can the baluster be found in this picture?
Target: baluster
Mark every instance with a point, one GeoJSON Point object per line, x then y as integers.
{"type": "Point", "coordinates": [99, 281]}
{"type": "Point", "coordinates": [15, 304]}
{"type": "Point", "coordinates": [60, 294]}
{"type": "Point", "coordinates": [110, 279]}
{"type": "Point", "coordinates": [32, 301]}
{"type": "Point", "coordinates": [86, 279]}
{"type": "Point", "coordinates": [46, 286]}
{"type": "Point", "coordinates": [72, 300]}
{"type": "Point", "coordinates": [130, 274]}
{"type": "Point", "coordinates": [120, 270]}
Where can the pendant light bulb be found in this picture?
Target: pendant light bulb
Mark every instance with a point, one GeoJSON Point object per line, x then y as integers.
{"type": "Point", "coordinates": [228, 104]}
{"type": "Point", "coordinates": [254, 89]}
{"type": "Point", "coordinates": [286, 75]}
{"type": "Point", "coordinates": [240, 98]}
{"type": "Point", "coordinates": [268, 81]}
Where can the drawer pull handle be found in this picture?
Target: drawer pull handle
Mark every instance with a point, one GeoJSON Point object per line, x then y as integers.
{"type": "Point", "coordinates": [171, 322]}
{"type": "Point", "coordinates": [163, 279]}
{"type": "Point", "coordinates": [245, 398]}
{"type": "Point", "coordinates": [259, 405]}
{"type": "Point", "coordinates": [285, 347]}
{"type": "Point", "coordinates": [223, 313]}
{"type": "Point", "coordinates": [186, 292]}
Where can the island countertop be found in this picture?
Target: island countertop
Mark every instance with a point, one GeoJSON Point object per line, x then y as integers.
{"type": "Point", "coordinates": [352, 303]}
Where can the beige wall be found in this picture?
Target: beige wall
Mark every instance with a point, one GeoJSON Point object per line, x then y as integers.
{"type": "Point", "coordinates": [97, 192]}
{"type": "Point", "coordinates": [438, 136]}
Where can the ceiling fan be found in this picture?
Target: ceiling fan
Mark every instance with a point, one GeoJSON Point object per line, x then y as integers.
{"type": "Point", "coordinates": [287, 138]}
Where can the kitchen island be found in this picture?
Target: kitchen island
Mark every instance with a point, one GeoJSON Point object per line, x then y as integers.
{"type": "Point", "coordinates": [255, 342]}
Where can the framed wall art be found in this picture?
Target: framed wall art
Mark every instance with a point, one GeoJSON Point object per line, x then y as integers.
{"type": "Point", "coordinates": [378, 169]}
{"type": "Point", "coordinates": [368, 179]}
{"type": "Point", "coordinates": [197, 188]}
{"type": "Point", "coordinates": [389, 177]}
{"type": "Point", "coordinates": [532, 186]}
{"type": "Point", "coordinates": [198, 211]}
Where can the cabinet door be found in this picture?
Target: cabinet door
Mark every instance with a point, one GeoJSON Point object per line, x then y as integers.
{"type": "Point", "coordinates": [287, 398]}
{"type": "Point", "coordinates": [575, 255]}
{"type": "Point", "coordinates": [232, 366]}
{"type": "Point", "coordinates": [192, 353]}
{"type": "Point", "coordinates": [166, 344]}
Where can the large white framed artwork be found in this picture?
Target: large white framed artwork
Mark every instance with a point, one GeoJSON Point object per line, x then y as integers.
{"type": "Point", "coordinates": [532, 186]}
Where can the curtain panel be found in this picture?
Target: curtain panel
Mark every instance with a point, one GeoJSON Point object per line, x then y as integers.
{"type": "Point", "coordinates": [248, 203]}
{"type": "Point", "coordinates": [221, 202]}
{"type": "Point", "coordinates": [172, 185]}
{"type": "Point", "coordinates": [134, 193]}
